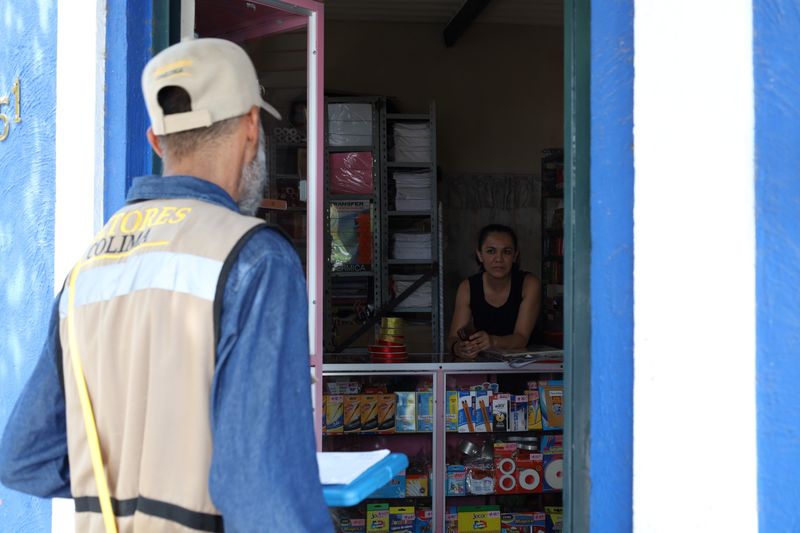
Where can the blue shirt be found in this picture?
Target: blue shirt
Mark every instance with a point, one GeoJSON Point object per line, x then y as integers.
{"type": "Point", "coordinates": [261, 478]}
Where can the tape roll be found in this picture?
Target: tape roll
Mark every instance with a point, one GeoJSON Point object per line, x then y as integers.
{"type": "Point", "coordinates": [506, 466]}
{"type": "Point", "coordinates": [554, 474]}
{"type": "Point", "coordinates": [507, 483]}
{"type": "Point", "coordinates": [529, 479]}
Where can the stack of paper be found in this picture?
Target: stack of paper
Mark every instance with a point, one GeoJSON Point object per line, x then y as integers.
{"type": "Point", "coordinates": [413, 191]}
{"type": "Point", "coordinates": [412, 142]}
{"type": "Point", "coordinates": [350, 124]}
{"type": "Point", "coordinates": [421, 297]}
{"type": "Point", "coordinates": [412, 246]}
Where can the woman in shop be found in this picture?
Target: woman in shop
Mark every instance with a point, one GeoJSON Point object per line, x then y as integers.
{"type": "Point", "coordinates": [496, 308]}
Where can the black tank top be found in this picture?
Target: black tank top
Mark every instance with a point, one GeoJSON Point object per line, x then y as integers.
{"type": "Point", "coordinates": [495, 320]}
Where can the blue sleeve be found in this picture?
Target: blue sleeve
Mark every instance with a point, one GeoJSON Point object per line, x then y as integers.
{"type": "Point", "coordinates": [33, 450]}
{"type": "Point", "coordinates": [264, 468]}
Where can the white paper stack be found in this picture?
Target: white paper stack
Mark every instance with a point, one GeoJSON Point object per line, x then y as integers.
{"type": "Point", "coordinates": [412, 246]}
{"type": "Point", "coordinates": [412, 142]}
{"type": "Point", "coordinates": [350, 124]}
{"type": "Point", "coordinates": [413, 191]}
{"type": "Point", "coordinates": [421, 297]}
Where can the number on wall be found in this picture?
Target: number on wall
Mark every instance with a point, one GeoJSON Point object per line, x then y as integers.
{"type": "Point", "coordinates": [5, 121]}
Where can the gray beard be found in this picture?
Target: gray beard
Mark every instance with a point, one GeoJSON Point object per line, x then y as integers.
{"type": "Point", "coordinates": [254, 179]}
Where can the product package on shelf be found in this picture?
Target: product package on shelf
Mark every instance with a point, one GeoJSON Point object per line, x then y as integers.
{"type": "Point", "coordinates": [425, 411]}
{"type": "Point", "coordinates": [423, 522]}
{"type": "Point", "coordinates": [395, 488]}
{"type": "Point", "coordinates": [551, 401]}
{"type": "Point", "coordinates": [451, 411]}
{"type": "Point", "coordinates": [350, 124]}
{"type": "Point", "coordinates": [412, 142]}
{"type": "Point", "coordinates": [517, 471]}
{"type": "Point", "coordinates": [351, 235]}
{"type": "Point", "coordinates": [416, 246]}
{"type": "Point", "coordinates": [413, 191]}
{"type": "Point", "coordinates": [552, 447]}
{"type": "Point", "coordinates": [522, 523]}
{"type": "Point", "coordinates": [406, 412]}
{"type": "Point", "coordinates": [456, 480]}
{"type": "Point", "coordinates": [352, 413]}
{"type": "Point", "coordinates": [351, 173]}
{"type": "Point", "coordinates": [421, 297]}
{"type": "Point", "coordinates": [386, 413]}
{"type": "Point", "coordinates": [334, 414]}
{"type": "Point", "coordinates": [479, 519]}
{"type": "Point", "coordinates": [554, 518]}
{"type": "Point", "coordinates": [401, 519]}
{"type": "Point", "coordinates": [378, 518]}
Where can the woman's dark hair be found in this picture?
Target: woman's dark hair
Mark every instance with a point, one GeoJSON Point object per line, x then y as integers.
{"type": "Point", "coordinates": [498, 228]}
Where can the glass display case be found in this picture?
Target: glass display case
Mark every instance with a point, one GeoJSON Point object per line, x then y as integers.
{"type": "Point", "coordinates": [483, 438]}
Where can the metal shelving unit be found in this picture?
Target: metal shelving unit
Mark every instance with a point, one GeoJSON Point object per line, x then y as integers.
{"type": "Point", "coordinates": [384, 217]}
{"type": "Point", "coordinates": [372, 277]}
{"type": "Point", "coordinates": [430, 218]}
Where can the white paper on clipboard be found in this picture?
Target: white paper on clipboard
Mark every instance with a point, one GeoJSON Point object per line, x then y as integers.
{"type": "Point", "coordinates": [341, 468]}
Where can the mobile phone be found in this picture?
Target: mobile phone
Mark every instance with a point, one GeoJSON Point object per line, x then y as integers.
{"type": "Point", "coordinates": [465, 332]}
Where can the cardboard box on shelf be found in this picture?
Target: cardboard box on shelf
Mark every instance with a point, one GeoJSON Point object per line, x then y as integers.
{"type": "Point", "coordinates": [406, 413]}
{"type": "Point", "coordinates": [551, 400]}
{"type": "Point", "coordinates": [534, 411]}
{"type": "Point", "coordinates": [369, 413]}
{"type": "Point", "coordinates": [386, 413]}
{"type": "Point", "coordinates": [466, 411]}
{"type": "Point", "coordinates": [425, 411]}
{"type": "Point", "coordinates": [417, 485]}
{"type": "Point", "coordinates": [451, 416]}
{"type": "Point", "coordinates": [352, 413]}
{"type": "Point", "coordinates": [334, 414]}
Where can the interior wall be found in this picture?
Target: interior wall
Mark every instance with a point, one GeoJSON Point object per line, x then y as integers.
{"type": "Point", "coordinates": [498, 91]}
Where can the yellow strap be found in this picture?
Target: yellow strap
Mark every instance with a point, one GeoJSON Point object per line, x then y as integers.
{"type": "Point", "coordinates": [88, 415]}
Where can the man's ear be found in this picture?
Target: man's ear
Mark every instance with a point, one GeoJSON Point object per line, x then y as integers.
{"type": "Point", "coordinates": [154, 141]}
{"type": "Point", "coordinates": [252, 122]}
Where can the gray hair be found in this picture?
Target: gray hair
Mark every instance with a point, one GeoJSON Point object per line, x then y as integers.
{"type": "Point", "coordinates": [186, 143]}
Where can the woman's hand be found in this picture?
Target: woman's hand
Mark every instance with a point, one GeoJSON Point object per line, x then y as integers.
{"type": "Point", "coordinates": [470, 348]}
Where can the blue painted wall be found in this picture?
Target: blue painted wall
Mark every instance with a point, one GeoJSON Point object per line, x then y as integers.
{"type": "Point", "coordinates": [27, 203]}
{"type": "Point", "coordinates": [611, 438]}
{"type": "Point", "coordinates": [776, 65]}
{"type": "Point", "coordinates": [129, 42]}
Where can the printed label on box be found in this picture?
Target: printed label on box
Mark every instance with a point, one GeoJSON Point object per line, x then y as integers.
{"type": "Point", "coordinates": [425, 411]}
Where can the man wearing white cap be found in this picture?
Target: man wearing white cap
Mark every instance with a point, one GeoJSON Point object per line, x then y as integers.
{"type": "Point", "coordinates": [172, 393]}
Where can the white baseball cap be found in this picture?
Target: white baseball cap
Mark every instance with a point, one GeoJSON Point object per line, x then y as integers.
{"type": "Point", "coordinates": [217, 74]}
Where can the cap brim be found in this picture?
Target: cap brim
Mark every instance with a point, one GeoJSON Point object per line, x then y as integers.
{"type": "Point", "coordinates": [271, 110]}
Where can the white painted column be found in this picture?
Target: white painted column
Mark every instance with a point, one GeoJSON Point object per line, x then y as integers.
{"type": "Point", "coordinates": [80, 80]}
{"type": "Point", "coordinates": [694, 269]}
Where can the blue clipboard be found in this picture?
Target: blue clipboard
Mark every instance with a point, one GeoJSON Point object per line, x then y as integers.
{"type": "Point", "coordinates": [371, 480]}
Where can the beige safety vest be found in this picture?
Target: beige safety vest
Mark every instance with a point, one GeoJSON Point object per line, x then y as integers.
{"type": "Point", "coordinates": [144, 320]}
